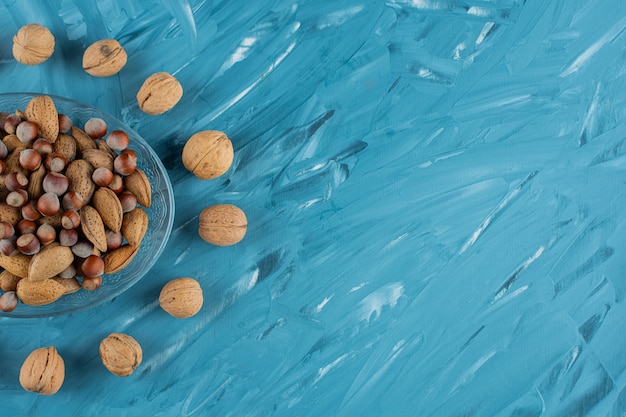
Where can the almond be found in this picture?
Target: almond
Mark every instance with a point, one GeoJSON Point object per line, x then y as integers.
{"type": "Point", "coordinates": [8, 281]}
{"type": "Point", "coordinates": [134, 226]}
{"type": "Point", "coordinates": [71, 285]}
{"type": "Point", "coordinates": [17, 263]}
{"type": "Point", "coordinates": [65, 145]}
{"type": "Point", "coordinates": [9, 214]}
{"type": "Point", "coordinates": [118, 259]}
{"type": "Point", "coordinates": [98, 158]}
{"type": "Point", "coordinates": [83, 140]}
{"type": "Point", "coordinates": [35, 183]}
{"type": "Point", "coordinates": [79, 172]}
{"type": "Point", "coordinates": [49, 262]}
{"type": "Point", "coordinates": [107, 204]}
{"type": "Point", "coordinates": [37, 293]}
{"type": "Point", "coordinates": [12, 142]}
{"type": "Point", "coordinates": [41, 110]}
{"type": "Point", "coordinates": [138, 184]}
{"type": "Point", "coordinates": [93, 227]}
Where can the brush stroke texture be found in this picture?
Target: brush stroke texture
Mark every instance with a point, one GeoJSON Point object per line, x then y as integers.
{"type": "Point", "coordinates": [436, 200]}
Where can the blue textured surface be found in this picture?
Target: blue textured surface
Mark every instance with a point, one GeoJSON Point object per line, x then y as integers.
{"type": "Point", "coordinates": [435, 191]}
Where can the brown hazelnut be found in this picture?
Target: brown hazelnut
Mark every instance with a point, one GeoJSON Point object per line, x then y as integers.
{"type": "Point", "coordinates": [208, 154]}
{"type": "Point", "coordinates": [33, 44]}
{"type": "Point", "coordinates": [222, 224]}
{"type": "Point", "coordinates": [120, 354]}
{"type": "Point", "coordinates": [43, 371]}
{"type": "Point", "coordinates": [104, 58]}
{"type": "Point", "coordinates": [181, 297]}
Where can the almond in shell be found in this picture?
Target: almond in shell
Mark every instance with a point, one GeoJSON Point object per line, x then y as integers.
{"type": "Point", "coordinates": [17, 263]}
{"type": "Point", "coordinates": [109, 207]}
{"type": "Point", "coordinates": [8, 281]}
{"type": "Point", "coordinates": [79, 172]}
{"type": "Point", "coordinates": [10, 214]}
{"type": "Point", "coordinates": [66, 146]}
{"type": "Point", "coordinates": [82, 139]}
{"type": "Point", "coordinates": [39, 293]}
{"type": "Point", "coordinates": [134, 226]}
{"type": "Point", "coordinates": [50, 262]}
{"type": "Point", "coordinates": [93, 227]}
{"type": "Point", "coordinates": [41, 110]}
{"type": "Point", "coordinates": [138, 184]}
{"type": "Point", "coordinates": [70, 285]}
{"type": "Point", "coordinates": [118, 259]}
{"type": "Point", "coordinates": [98, 158]}
{"type": "Point", "coordinates": [35, 183]}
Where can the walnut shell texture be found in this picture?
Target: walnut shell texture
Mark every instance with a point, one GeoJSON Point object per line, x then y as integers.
{"type": "Point", "coordinates": [208, 154]}
{"type": "Point", "coordinates": [222, 224]}
{"type": "Point", "coordinates": [104, 58]}
{"type": "Point", "coordinates": [121, 354]}
{"type": "Point", "coordinates": [159, 93]}
{"type": "Point", "coordinates": [33, 44]}
{"type": "Point", "coordinates": [181, 297]}
{"type": "Point", "coordinates": [43, 371]}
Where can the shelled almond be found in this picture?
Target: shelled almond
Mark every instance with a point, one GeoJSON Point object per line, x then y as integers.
{"type": "Point", "coordinates": [69, 203]}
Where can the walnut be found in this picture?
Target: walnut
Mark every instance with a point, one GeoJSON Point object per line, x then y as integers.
{"type": "Point", "coordinates": [181, 297]}
{"type": "Point", "coordinates": [43, 371]}
{"type": "Point", "coordinates": [222, 224]}
{"type": "Point", "coordinates": [33, 44]}
{"type": "Point", "coordinates": [208, 154]}
{"type": "Point", "coordinates": [120, 354]}
{"type": "Point", "coordinates": [159, 93]}
{"type": "Point", "coordinates": [104, 58]}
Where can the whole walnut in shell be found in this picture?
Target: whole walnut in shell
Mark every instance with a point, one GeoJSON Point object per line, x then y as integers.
{"type": "Point", "coordinates": [181, 297]}
{"type": "Point", "coordinates": [208, 154]}
{"type": "Point", "coordinates": [33, 44]}
{"type": "Point", "coordinates": [43, 371]}
{"type": "Point", "coordinates": [104, 58]}
{"type": "Point", "coordinates": [159, 93]}
{"type": "Point", "coordinates": [222, 224]}
{"type": "Point", "coordinates": [120, 354]}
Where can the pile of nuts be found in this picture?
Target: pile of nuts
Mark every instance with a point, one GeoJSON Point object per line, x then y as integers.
{"type": "Point", "coordinates": [72, 204]}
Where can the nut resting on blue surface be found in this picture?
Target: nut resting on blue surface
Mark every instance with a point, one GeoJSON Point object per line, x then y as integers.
{"type": "Point", "coordinates": [33, 44]}
{"type": "Point", "coordinates": [181, 297]}
{"type": "Point", "coordinates": [121, 354]}
{"type": "Point", "coordinates": [208, 154]}
{"type": "Point", "coordinates": [222, 224]}
{"type": "Point", "coordinates": [43, 371]}
{"type": "Point", "coordinates": [104, 58]}
{"type": "Point", "coordinates": [159, 93]}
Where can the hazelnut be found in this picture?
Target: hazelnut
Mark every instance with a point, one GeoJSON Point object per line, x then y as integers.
{"type": "Point", "coordinates": [92, 266]}
{"type": "Point", "coordinates": [65, 123]}
{"type": "Point", "coordinates": [28, 244]}
{"type": "Point", "coordinates": [48, 204]}
{"type": "Point", "coordinates": [222, 224]}
{"type": "Point", "coordinates": [46, 233]}
{"type": "Point", "coordinates": [30, 159]}
{"type": "Point", "coordinates": [102, 176]}
{"type": "Point", "coordinates": [159, 93]}
{"type": "Point", "coordinates": [92, 283]}
{"type": "Point", "coordinates": [104, 58]}
{"type": "Point", "coordinates": [8, 301]}
{"type": "Point", "coordinates": [208, 154]}
{"type": "Point", "coordinates": [43, 371]}
{"type": "Point", "coordinates": [120, 354]}
{"type": "Point", "coordinates": [33, 44]}
{"type": "Point", "coordinates": [181, 297]}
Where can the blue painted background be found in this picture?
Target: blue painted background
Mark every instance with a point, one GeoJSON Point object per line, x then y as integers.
{"type": "Point", "coordinates": [435, 191]}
